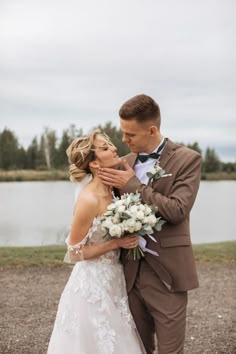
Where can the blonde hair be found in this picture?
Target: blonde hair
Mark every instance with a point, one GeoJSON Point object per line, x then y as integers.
{"type": "Point", "coordinates": [80, 153]}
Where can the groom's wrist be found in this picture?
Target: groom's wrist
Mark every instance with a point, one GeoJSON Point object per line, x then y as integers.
{"type": "Point", "coordinates": [132, 185]}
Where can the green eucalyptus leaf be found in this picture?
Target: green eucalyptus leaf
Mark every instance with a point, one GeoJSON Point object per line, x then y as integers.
{"type": "Point", "coordinates": [149, 174]}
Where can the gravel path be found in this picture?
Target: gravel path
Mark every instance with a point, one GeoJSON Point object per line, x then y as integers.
{"type": "Point", "coordinates": [29, 297]}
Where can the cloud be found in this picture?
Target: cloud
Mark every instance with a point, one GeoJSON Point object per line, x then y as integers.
{"type": "Point", "coordinates": [74, 61]}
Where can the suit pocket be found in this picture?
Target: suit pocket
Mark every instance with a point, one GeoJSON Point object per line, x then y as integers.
{"type": "Point", "coordinates": [175, 241]}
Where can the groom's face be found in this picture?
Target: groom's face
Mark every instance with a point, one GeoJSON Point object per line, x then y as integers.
{"type": "Point", "coordinates": [136, 135]}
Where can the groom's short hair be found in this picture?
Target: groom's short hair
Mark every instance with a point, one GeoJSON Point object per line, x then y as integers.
{"type": "Point", "coordinates": [142, 108]}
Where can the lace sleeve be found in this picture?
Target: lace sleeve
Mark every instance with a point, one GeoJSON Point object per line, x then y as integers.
{"type": "Point", "coordinates": [77, 250]}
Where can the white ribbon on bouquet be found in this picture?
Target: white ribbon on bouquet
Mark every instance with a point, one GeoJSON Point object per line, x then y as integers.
{"type": "Point", "coordinates": [142, 244]}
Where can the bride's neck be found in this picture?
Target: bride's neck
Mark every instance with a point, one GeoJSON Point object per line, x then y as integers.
{"type": "Point", "coordinates": [100, 187]}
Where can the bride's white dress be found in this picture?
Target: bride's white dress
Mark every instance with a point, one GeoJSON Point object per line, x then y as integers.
{"type": "Point", "coordinates": [93, 315]}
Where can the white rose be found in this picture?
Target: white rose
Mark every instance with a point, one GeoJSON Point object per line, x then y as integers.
{"type": "Point", "coordinates": [137, 226]}
{"type": "Point", "coordinates": [108, 213]}
{"type": "Point", "coordinates": [133, 216]}
{"type": "Point", "coordinates": [133, 209]}
{"type": "Point", "coordinates": [153, 171]}
{"type": "Point", "coordinates": [121, 209]}
{"type": "Point", "coordinates": [119, 203]}
{"type": "Point", "coordinates": [111, 206]}
{"type": "Point", "coordinates": [158, 168]}
{"type": "Point", "coordinates": [115, 220]}
{"type": "Point", "coordinates": [123, 225]}
{"type": "Point", "coordinates": [147, 210]}
{"type": "Point", "coordinates": [107, 223]}
{"type": "Point", "coordinates": [142, 207]}
{"type": "Point", "coordinates": [130, 229]}
{"type": "Point", "coordinates": [127, 201]}
{"type": "Point", "coordinates": [130, 225]}
{"type": "Point", "coordinates": [152, 220]}
{"type": "Point", "coordinates": [140, 215]}
{"type": "Point", "coordinates": [115, 231]}
{"type": "Point", "coordinates": [130, 222]}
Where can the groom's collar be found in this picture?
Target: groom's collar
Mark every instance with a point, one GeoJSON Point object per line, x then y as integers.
{"type": "Point", "coordinates": [164, 158]}
{"type": "Point", "coordinates": [156, 148]}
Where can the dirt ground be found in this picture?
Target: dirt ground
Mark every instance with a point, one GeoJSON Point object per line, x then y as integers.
{"type": "Point", "coordinates": [29, 298]}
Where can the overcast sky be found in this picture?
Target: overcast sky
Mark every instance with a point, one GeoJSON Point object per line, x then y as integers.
{"type": "Point", "coordinates": [65, 62]}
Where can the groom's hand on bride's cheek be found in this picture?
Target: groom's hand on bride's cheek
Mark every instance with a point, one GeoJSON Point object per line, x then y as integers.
{"type": "Point", "coordinates": [116, 178]}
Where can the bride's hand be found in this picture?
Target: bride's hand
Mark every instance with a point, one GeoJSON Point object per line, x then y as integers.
{"type": "Point", "coordinates": [127, 242]}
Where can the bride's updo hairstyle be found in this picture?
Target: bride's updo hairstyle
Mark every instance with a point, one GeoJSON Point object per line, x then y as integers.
{"type": "Point", "coordinates": [80, 153]}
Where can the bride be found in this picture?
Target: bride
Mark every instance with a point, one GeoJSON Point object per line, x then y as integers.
{"type": "Point", "coordinates": [93, 315]}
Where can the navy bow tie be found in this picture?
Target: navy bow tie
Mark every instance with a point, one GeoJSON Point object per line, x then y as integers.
{"type": "Point", "coordinates": [144, 158]}
{"type": "Point", "coordinates": [153, 155]}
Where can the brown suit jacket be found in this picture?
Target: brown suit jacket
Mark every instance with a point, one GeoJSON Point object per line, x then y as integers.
{"type": "Point", "coordinates": [174, 196]}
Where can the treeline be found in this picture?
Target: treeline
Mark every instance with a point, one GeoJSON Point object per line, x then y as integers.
{"type": "Point", "coordinates": [48, 152]}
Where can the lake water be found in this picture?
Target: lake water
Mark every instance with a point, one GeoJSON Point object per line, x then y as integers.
{"type": "Point", "coordinates": [40, 213]}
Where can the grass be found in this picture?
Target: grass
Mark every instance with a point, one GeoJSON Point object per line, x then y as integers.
{"type": "Point", "coordinates": [62, 175]}
{"type": "Point", "coordinates": [224, 252]}
{"type": "Point", "coordinates": [216, 252]}
{"type": "Point", "coordinates": [32, 256]}
{"type": "Point", "coordinates": [219, 176]}
{"type": "Point", "coordinates": [33, 175]}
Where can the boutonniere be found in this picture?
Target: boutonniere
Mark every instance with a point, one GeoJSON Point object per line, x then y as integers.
{"type": "Point", "coordinates": [156, 173]}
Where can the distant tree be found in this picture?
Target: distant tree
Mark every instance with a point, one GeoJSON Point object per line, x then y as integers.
{"type": "Point", "coordinates": [228, 166]}
{"type": "Point", "coordinates": [41, 161]}
{"type": "Point", "coordinates": [73, 132]}
{"type": "Point", "coordinates": [33, 154]}
{"type": "Point", "coordinates": [211, 161]}
{"type": "Point", "coordinates": [50, 153]}
{"type": "Point", "coordinates": [195, 146]}
{"type": "Point", "coordinates": [48, 147]}
{"type": "Point", "coordinates": [8, 150]}
{"type": "Point", "coordinates": [21, 158]}
{"type": "Point", "coordinates": [62, 159]}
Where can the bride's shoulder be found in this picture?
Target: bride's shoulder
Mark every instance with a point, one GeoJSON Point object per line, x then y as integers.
{"type": "Point", "coordinates": [86, 200]}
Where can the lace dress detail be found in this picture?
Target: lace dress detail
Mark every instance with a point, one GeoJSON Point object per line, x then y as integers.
{"type": "Point", "coordinates": [93, 314]}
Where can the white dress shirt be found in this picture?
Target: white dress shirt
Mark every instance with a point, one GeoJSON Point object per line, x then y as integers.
{"type": "Point", "coordinates": [141, 168]}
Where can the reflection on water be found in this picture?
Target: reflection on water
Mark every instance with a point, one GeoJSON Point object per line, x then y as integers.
{"type": "Point", "coordinates": [40, 213]}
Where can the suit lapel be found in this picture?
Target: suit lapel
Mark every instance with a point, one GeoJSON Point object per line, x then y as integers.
{"type": "Point", "coordinates": [167, 153]}
{"type": "Point", "coordinates": [131, 158]}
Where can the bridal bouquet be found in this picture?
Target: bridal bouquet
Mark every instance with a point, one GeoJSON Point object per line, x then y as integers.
{"type": "Point", "coordinates": [127, 215]}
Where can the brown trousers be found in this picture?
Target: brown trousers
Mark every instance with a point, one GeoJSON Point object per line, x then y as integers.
{"type": "Point", "coordinates": [157, 310]}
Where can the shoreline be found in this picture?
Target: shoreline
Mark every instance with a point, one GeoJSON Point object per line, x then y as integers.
{"type": "Point", "coordinates": [63, 175]}
{"type": "Point", "coordinates": [51, 256]}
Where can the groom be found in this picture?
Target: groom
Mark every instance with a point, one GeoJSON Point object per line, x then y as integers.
{"type": "Point", "coordinates": [157, 284]}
